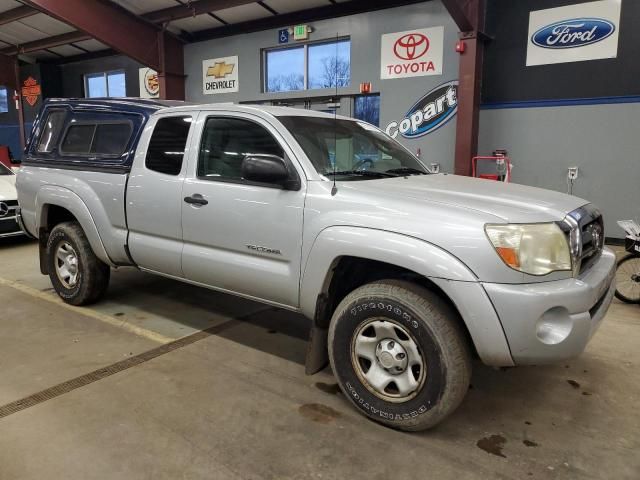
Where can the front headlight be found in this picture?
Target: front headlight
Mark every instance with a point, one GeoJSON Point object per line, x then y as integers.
{"type": "Point", "coordinates": [536, 249]}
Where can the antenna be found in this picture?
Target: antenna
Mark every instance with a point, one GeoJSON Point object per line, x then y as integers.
{"type": "Point", "coordinates": [334, 189]}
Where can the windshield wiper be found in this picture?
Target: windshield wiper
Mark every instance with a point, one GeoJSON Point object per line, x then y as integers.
{"type": "Point", "coordinates": [407, 171]}
{"type": "Point", "coordinates": [364, 173]}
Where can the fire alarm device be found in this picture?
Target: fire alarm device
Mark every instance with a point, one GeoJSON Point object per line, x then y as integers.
{"type": "Point", "coordinates": [365, 87]}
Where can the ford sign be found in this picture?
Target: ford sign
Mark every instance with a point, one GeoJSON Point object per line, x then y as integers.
{"type": "Point", "coordinates": [577, 32]}
{"type": "Point", "coordinates": [429, 113]}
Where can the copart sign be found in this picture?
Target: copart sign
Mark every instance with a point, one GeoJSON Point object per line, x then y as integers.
{"type": "Point", "coordinates": [413, 53]}
{"type": "Point", "coordinates": [574, 33]}
{"type": "Point", "coordinates": [429, 113]}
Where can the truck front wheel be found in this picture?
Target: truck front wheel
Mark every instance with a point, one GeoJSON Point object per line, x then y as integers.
{"type": "Point", "coordinates": [77, 275]}
{"type": "Point", "coordinates": [399, 354]}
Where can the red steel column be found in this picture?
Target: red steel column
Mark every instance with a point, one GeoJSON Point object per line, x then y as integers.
{"type": "Point", "coordinates": [469, 17]}
{"type": "Point", "coordinates": [171, 73]}
{"type": "Point", "coordinates": [468, 119]}
{"type": "Point", "coordinates": [10, 78]}
{"type": "Point", "coordinates": [16, 69]}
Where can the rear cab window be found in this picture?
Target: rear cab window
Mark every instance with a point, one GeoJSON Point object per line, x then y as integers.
{"type": "Point", "coordinates": [168, 142]}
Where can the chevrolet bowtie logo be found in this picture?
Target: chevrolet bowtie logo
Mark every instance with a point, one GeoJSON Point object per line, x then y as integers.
{"type": "Point", "coordinates": [220, 70]}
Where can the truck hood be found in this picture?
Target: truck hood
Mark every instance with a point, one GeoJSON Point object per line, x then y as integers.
{"type": "Point", "coordinates": [8, 187]}
{"type": "Point", "coordinates": [508, 202]}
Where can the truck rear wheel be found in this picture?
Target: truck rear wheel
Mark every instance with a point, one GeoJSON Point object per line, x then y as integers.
{"type": "Point", "coordinates": [399, 354]}
{"type": "Point", "coordinates": [77, 275]}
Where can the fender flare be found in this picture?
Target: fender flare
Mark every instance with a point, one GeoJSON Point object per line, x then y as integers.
{"type": "Point", "coordinates": [446, 271]}
{"type": "Point", "coordinates": [65, 198]}
{"type": "Point", "coordinates": [397, 249]}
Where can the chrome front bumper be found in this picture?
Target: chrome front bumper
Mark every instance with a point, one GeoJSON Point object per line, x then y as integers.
{"type": "Point", "coordinates": [551, 321]}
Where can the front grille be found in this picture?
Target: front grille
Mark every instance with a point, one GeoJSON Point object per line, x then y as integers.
{"type": "Point", "coordinates": [8, 222]}
{"type": "Point", "coordinates": [9, 225]}
{"type": "Point", "coordinates": [8, 209]}
{"type": "Point", "coordinates": [591, 227]}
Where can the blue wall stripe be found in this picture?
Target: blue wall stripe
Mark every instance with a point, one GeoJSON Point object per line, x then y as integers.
{"type": "Point", "coordinates": [567, 102]}
{"type": "Point", "coordinates": [10, 135]}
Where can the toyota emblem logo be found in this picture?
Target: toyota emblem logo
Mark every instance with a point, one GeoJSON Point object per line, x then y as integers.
{"type": "Point", "coordinates": [4, 209]}
{"type": "Point", "coordinates": [411, 46]}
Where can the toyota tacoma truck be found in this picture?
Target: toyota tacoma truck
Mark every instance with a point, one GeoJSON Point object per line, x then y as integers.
{"type": "Point", "coordinates": [406, 275]}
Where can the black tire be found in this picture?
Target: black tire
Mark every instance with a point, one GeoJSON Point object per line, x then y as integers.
{"type": "Point", "coordinates": [624, 270]}
{"type": "Point", "coordinates": [434, 328]}
{"type": "Point", "coordinates": [93, 275]}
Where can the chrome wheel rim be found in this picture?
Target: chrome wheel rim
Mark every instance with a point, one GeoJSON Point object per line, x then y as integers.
{"type": "Point", "coordinates": [628, 278]}
{"type": "Point", "coordinates": [67, 265]}
{"type": "Point", "coordinates": [387, 360]}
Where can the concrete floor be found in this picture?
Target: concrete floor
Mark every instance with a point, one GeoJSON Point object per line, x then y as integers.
{"type": "Point", "coordinates": [237, 405]}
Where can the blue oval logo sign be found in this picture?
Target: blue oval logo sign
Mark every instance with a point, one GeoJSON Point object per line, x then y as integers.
{"type": "Point", "coordinates": [573, 33]}
{"type": "Point", "coordinates": [429, 113]}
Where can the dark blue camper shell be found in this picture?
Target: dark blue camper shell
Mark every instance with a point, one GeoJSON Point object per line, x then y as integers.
{"type": "Point", "coordinates": [92, 111]}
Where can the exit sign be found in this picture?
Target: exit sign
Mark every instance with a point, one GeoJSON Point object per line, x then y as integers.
{"type": "Point", "coordinates": [300, 32]}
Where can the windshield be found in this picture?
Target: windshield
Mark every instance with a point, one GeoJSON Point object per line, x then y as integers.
{"type": "Point", "coordinates": [4, 170]}
{"type": "Point", "coordinates": [351, 149]}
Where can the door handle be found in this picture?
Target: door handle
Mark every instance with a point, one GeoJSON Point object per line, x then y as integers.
{"type": "Point", "coordinates": [196, 199]}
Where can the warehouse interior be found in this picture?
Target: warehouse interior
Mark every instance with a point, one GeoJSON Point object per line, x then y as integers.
{"type": "Point", "coordinates": [228, 368]}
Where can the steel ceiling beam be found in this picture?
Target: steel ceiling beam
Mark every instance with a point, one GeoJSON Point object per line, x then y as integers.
{"type": "Point", "coordinates": [17, 14]}
{"type": "Point", "coordinates": [126, 33]}
{"type": "Point", "coordinates": [45, 43]}
{"type": "Point", "coordinates": [194, 8]}
{"type": "Point", "coordinates": [333, 10]}
{"type": "Point", "coordinates": [108, 24]}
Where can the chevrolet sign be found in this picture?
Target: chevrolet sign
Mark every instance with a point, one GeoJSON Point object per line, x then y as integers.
{"type": "Point", "coordinates": [220, 75]}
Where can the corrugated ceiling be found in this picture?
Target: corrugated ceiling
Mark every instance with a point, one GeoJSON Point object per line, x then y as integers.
{"type": "Point", "coordinates": [40, 25]}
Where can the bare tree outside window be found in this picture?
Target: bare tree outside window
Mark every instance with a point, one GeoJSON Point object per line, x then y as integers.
{"type": "Point", "coordinates": [285, 69]}
{"type": "Point", "coordinates": [367, 108]}
{"type": "Point", "coordinates": [328, 66]}
{"type": "Point", "coordinates": [336, 73]}
{"type": "Point", "coordinates": [285, 83]}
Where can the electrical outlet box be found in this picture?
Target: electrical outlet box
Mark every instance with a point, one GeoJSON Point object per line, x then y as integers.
{"type": "Point", "coordinates": [572, 173]}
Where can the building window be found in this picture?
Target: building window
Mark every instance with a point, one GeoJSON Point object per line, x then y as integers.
{"type": "Point", "coordinates": [367, 108]}
{"type": "Point", "coordinates": [310, 66]}
{"type": "Point", "coordinates": [285, 69]}
{"type": "Point", "coordinates": [105, 84]}
{"type": "Point", "coordinates": [4, 100]}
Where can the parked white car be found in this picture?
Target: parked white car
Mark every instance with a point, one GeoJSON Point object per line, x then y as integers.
{"type": "Point", "coordinates": [8, 203]}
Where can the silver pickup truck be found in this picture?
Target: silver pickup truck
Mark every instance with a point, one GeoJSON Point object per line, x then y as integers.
{"type": "Point", "coordinates": [406, 275]}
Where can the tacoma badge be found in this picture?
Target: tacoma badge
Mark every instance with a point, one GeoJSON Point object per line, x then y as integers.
{"type": "Point", "coordinates": [260, 249]}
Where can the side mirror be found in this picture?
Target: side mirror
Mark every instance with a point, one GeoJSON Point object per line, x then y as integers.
{"type": "Point", "coordinates": [268, 169]}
